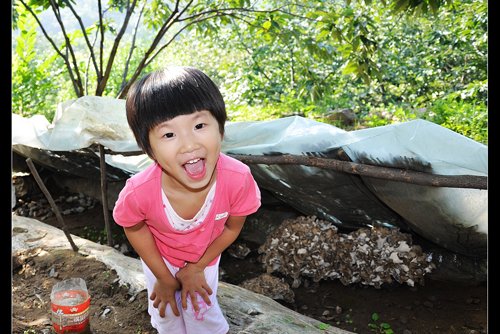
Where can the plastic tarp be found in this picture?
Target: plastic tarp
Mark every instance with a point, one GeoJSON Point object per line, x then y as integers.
{"type": "Point", "coordinates": [454, 218]}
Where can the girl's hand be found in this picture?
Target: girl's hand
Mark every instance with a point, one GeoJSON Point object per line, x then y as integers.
{"type": "Point", "coordinates": [192, 280]}
{"type": "Point", "coordinates": [166, 285]}
{"type": "Point", "coordinates": [163, 294]}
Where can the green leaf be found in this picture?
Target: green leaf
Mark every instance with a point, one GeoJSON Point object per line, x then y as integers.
{"type": "Point", "coordinates": [266, 25]}
{"type": "Point", "coordinates": [355, 43]}
{"type": "Point", "coordinates": [323, 326]}
{"type": "Point", "coordinates": [349, 68]}
{"type": "Point", "coordinates": [375, 317]}
{"type": "Point", "coordinates": [400, 5]}
{"type": "Point", "coordinates": [385, 325]}
{"type": "Point", "coordinates": [348, 11]}
{"type": "Point", "coordinates": [322, 35]}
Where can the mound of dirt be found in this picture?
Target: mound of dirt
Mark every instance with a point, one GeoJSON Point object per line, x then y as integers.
{"type": "Point", "coordinates": [112, 308]}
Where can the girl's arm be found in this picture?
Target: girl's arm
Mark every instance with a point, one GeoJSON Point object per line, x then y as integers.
{"type": "Point", "coordinates": [142, 240]}
{"type": "Point", "coordinates": [192, 276]}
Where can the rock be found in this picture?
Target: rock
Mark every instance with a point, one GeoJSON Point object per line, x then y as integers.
{"type": "Point", "coordinates": [238, 250]}
{"type": "Point", "coordinates": [270, 286]}
{"type": "Point", "coordinates": [91, 187]}
{"type": "Point", "coordinates": [345, 116]}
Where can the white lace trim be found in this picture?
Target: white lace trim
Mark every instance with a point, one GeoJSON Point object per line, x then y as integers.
{"type": "Point", "coordinates": [181, 224]}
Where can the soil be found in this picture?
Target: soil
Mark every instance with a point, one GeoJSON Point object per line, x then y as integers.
{"type": "Point", "coordinates": [112, 309]}
{"type": "Point", "coordinates": [435, 307]}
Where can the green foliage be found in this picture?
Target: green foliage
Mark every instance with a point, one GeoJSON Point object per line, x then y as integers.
{"type": "Point", "coordinates": [29, 331]}
{"type": "Point", "coordinates": [389, 61]}
{"type": "Point", "coordinates": [34, 85]}
{"type": "Point", "coordinates": [427, 62]}
{"type": "Point", "coordinates": [101, 236]}
{"type": "Point", "coordinates": [379, 327]}
{"type": "Point", "coordinates": [322, 326]}
{"type": "Point", "coordinates": [468, 119]}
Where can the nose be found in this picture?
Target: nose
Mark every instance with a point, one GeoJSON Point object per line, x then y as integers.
{"type": "Point", "coordinates": [188, 143]}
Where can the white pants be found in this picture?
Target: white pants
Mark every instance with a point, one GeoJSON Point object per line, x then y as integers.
{"type": "Point", "coordinates": [208, 320]}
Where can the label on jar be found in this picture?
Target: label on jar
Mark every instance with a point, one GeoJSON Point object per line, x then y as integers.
{"type": "Point", "coordinates": [70, 311]}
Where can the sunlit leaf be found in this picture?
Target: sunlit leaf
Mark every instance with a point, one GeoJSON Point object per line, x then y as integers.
{"type": "Point", "coordinates": [350, 67]}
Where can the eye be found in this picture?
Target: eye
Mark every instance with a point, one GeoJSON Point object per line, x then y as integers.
{"type": "Point", "coordinates": [199, 126]}
{"type": "Point", "coordinates": [168, 135]}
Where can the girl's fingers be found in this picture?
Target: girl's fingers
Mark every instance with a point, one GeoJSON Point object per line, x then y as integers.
{"type": "Point", "coordinates": [153, 296]}
{"type": "Point", "coordinates": [175, 309]}
{"type": "Point", "coordinates": [208, 289]}
{"type": "Point", "coordinates": [183, 300]}
{"type": "Point", "coordinates": [161, 308]}
{"type": "Point", "coordinates": [194, 302]}
{"type": "Point", "coordinates": [204, 294]}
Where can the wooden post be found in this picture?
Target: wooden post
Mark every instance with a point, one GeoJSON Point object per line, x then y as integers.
{"type": "Point", "coordinates": [104, 195]}
{"type": "Point", "coordinates": [45, 191]}
{"type": "Point", "coordinates": [380, 172]}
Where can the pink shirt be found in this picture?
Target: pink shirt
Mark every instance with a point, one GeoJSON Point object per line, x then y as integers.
{"type": "Point", "coordinates": [236, 194]}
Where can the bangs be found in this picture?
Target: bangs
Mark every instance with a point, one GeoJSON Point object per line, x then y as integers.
{"type": "Point", "coordinates": [174, 92]}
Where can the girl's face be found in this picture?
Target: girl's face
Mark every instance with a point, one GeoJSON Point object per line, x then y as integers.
{"type": "Point", "coordinates": [187, 147]}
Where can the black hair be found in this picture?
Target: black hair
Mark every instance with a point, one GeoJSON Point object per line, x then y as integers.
{"type": "Point", "coordinates": [173, 91]}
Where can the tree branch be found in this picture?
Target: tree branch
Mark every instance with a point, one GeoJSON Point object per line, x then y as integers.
{"type": "Point", "coordinates": [230, 10]}
{"type": "Point", "coordinates": [101, 44]}
{"type": "Point", "coordinates": [51, 41]}
{"type": "Point", "coordinates": [175, 35]}
{"type": "Point", "coordinates": [69, 48]}
{"type": "Point", "coordinates": [132, 46]}
{"type": "Point", "coordinates": [168, 23]}
{"type": "Point", "coordinates": [85, 36]}
{"type": "Point", "coordinates": [102, 83]}
{"type": "Point", "coordinates": [379, 172]}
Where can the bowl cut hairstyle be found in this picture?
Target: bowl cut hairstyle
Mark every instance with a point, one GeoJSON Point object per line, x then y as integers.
{"type": "Point", "coordinates": [162, 95]}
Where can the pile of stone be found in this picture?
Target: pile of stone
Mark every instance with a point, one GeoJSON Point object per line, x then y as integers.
{"type": "Point", "coordinates": [313, 248]}
{"type": "Point", "coordinates": [28, 200]}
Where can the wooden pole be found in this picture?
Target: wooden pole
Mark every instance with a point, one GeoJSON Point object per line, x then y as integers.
{"type": "Point", "coordinates": [379, 172]}
{"type": "Point", "coordinates": [45, 191]}
{"type": "Point", "coordinates": [104, 195]}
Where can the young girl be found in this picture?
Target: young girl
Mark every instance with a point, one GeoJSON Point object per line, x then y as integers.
{"type": "Point", "coordinates": [186, 208]}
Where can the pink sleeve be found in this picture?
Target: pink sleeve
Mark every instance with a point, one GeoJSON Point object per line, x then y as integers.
{"type": "Point", "coordinates": [127, 211]}
{"type": "Point", "coordinates": [247, 198]}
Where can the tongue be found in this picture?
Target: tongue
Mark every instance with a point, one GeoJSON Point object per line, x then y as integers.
{"type": "Point", "coordinates": [195, 168]}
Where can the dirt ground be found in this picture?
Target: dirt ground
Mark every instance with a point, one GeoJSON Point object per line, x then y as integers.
{"type": "Point", "coordinates": [436, 307]}
{"type": "Point", "coordinates": [112, 309]}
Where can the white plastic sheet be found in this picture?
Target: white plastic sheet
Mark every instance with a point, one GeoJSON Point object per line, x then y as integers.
{"type": "Point", "coordinates": [454, 218]}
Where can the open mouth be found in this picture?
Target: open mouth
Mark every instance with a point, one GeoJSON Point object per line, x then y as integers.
{"type": "Point", "coordinates": [195, 168]}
